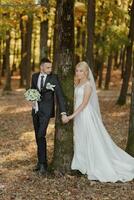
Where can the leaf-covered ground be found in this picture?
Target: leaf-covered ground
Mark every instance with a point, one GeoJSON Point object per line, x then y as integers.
{"type": "Point", "coordinates": [18, 153]}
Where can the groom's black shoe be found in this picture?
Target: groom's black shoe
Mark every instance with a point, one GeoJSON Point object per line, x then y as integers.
{"type": "Point", "coordinates": [37, 167]}
{"type": "Point", "coordinates": [43, 169]}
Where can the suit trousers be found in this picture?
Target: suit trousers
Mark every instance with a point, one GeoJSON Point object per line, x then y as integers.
{"type": "Point", "coordinates": [40, 122]}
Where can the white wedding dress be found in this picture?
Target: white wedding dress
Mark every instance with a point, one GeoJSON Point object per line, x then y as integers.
{"type": "Point", "coordinates": [95, 153]}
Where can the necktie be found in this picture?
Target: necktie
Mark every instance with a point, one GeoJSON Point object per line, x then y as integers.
{"type": "Point", "coordinates": [42, 82]}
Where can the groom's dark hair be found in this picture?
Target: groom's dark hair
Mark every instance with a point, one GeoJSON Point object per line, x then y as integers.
{"type": "Point", "coordinates": [44, 60]}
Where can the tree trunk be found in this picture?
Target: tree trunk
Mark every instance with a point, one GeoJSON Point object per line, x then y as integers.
{"type": "Point", "coordinates": [7, 86]}
{"type": "Point", "coordinates": [23, 53]}
{"type": "Point", "coordinates": [34, 53]}
{"type": "Point", "coordinates": [116, 60]}
{"type": "Point", "coordinates": [44, 32]}
{"type": "Point", "coordinates": [14, 55]}
{"type": "Point", "coordinates": [128, 64]}
{"type": "Point", "coordinates": [126, 77]}
{"type": "Point", "coordinates": [28, 40]}
{"type": "Point", "coordinates": [98, 68]}
{"type": "Point", "coordinates": [100, 74]}
{"type": "Point", "coordinates": [90, 32]}
{"type": "Point", "coordinates": [123, 63]}
{"type": "Point", "coordinates": [3, 59]}
{"type": "Point", "coordinates": [83, 44]}
{"type": "Point", "coordinates": [63, 144]}
{"type": "Point", "coordinates": [121, 56]}
{"type": "Point", "coordinates": [78, 37]}
{"type": "Point", "coordinates": [108, 74]}
{"type": "Point", "coordinates": [130, 142]}
{"type": "Point", "coordinates": [0, 61]}
{"type": "Point", "coordinates": [43, 39]}
{"type": "Point", "coordinates": [56, 42]}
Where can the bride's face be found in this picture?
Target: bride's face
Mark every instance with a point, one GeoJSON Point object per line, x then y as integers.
{"type": "Point", "coordinates": [80, 73]}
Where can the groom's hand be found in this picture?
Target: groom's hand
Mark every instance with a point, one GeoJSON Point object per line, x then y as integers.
{"type": "Point", "coordinates": [33, 103]}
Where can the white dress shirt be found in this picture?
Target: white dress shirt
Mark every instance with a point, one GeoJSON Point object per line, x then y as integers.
{"type": "Point", "coordinates": [35, 103]}
{"type": "Point", "coordinates": [39, 79]}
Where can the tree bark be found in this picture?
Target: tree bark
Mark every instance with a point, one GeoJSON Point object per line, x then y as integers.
{"type": "Point", "coordinates": [100, 74]}
{"type": "Point", "coordinates": [128, 64]}
{"type": "Point", "coordinates": [98, 69]}
{"type": "Point", "coordinates": [56, 41]}
{"type": "Point", "coordinates": [78, 37]}
{"type": "Point", "coordinates": [130, 142]}
{"type": "Point", "coordinates": [44, 32]}
{"type": "Point", "coordinates": [90, 32]}
{"type": "Point", "coordinates": [63, 145]}
{"type": "Point", "coordinates": [7, 86]}
{"type": "Point", "coordinates": [108, 74]}
{"type": "Point", "coordinates": [3, 59]}
{"type": "Point", "coordinates": [116, 64]}
{"type": "Point", "coordinates": [123, 62]}
{"type": "Point", "coordinates": [34, 52]}
{"type": "Point", "coordinates": [23, 53]}
{"type": "Point", "coordinates": [26, 45]}
{"type": "Point", "coordinates": [14, 55]}
{"type": "Point", "coordinates": [43, 39]}
{"type": "Point", "coordinates": [83, 42]}
{"type": "Point", "coordinates": [28, 40]}
{"type": "Point", "coordinates": [0, 61]}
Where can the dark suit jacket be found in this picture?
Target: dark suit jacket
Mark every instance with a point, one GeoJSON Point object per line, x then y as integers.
{"type": "Point", "coordinates": [47, 104]}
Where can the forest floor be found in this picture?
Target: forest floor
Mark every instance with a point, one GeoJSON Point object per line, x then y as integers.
{"type": "Point", "coordinates": [18, 152]}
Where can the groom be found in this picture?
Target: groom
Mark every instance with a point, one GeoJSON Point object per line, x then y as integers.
{"type": "Point", "coordinates": [49, 86]}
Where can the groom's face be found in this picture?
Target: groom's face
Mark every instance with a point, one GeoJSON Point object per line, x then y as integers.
{"type": "Point", "coordinates": [46, 68]}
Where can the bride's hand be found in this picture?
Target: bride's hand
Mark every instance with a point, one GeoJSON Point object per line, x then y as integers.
{"type": "Point", "coordinates": [70, 117]}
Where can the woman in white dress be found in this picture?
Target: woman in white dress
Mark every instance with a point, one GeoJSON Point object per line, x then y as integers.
{"type": "Point", "coordinates": [95, 153]}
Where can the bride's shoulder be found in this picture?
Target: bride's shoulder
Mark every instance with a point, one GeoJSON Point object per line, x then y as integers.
{"type": "Point", "coordinates": [88, 85]}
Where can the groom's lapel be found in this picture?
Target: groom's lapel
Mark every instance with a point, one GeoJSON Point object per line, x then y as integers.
{"type": "Point", "coordinates": [47, 80]}
{"type": "Point", "coordinates": [36, 80]}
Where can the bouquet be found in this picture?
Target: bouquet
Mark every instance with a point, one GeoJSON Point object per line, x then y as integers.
{"type": "Point", "coordinates": [32, 95]}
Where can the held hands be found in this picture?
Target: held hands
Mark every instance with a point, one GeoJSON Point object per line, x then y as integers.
{"type": "Point", "coordinates": [66, 119]}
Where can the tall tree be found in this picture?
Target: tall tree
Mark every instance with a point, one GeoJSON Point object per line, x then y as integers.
{"type": "Point", "coordinates": [130, 143]}
{"type": "Point", "coordinates": [29, 28]}
{"type": "Point", "coordinates": [128, 64]}
{"type": "Point", "coordinates": [7, 86]}
{"type": "Point", "coordinates": [108, 74]}
{"type": "Point", "coordinates": [90, 32]}
{"type": "Point", "coordinates": [44, 29]}
{"type": "Point", "coordinates": [122, 62]}
{"type": "Point", "coordinates": [26, 25]}
{"type": "Point", "coordinates": [14, 53]}
{"type": "Point", "coordinates": [23, 52]}
{"type": "Point", "coordinates": [34, 51]}
{"type": "Point", "coordinates": [64, 45]}
{"type": "Point", "coordinates": [0, 60]}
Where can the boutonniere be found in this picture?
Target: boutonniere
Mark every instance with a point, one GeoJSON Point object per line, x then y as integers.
{"type": "Point", "coordinates": [50, 86]}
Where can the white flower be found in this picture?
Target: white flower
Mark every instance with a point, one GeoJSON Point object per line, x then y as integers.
{"type": "Point", "coordinates": [49, 86]}
{"type": "Point", "coordinates": [32, 95]}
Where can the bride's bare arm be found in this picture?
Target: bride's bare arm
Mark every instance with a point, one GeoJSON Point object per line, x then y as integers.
{"type": "Point", "coordinates": [86, 96]}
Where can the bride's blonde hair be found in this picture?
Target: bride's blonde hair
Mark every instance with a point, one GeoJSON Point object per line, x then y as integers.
{"type": "Point", "coordinates": [84, 66]}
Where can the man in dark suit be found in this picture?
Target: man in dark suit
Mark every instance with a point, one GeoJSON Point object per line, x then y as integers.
{"type": "Point", "coordinates": [49, 86]}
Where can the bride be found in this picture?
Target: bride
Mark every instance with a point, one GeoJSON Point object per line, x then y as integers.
{"type": "Point", "coordinates": [95, 154]}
